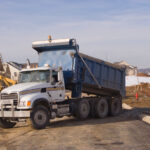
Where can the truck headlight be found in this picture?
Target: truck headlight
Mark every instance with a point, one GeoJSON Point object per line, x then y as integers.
{"type": "Point", "coordinates": [22, 103]}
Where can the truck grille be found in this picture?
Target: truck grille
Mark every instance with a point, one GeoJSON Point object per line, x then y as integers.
{"type": "Point", "coordinates": [13, 96]}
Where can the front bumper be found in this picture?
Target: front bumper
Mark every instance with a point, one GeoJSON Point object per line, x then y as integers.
{"type": "Point", "coordinates": [12, 112]}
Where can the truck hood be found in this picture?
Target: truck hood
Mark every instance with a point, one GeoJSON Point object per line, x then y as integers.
{"type": "Point", "coordinates": [25, 86]}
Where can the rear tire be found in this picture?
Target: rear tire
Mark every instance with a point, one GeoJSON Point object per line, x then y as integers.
{"type": "Point", "coordinates": [83, 109]}
{"type": "Point", "coordinates": [4, 123]}
{"type": "Point", "coordinates": [40, 117]}
{"type": "Point", "coordinates": [101, 108]}
{"type": "Point", "coordinates": [116, 106]}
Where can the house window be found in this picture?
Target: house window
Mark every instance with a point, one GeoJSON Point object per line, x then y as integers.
{"type": "Point", "coordinates": [15, 74]}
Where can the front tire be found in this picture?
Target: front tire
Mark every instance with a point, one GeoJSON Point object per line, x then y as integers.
{"type": "Point", "coordinates": [4, 123]}
{"type": "Point", "coordinates": [40, 117]}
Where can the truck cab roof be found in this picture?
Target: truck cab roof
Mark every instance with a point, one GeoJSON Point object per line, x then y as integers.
{"type": "Point", "coordinates": [49, 45]}
{"type": "Point", "coordinates": [40, 68]}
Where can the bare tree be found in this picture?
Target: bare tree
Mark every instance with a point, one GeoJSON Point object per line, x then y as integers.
{"type": "Point", "coordinates": [1, 63]}
{"type": "Point", "coordinates": [8, 73]}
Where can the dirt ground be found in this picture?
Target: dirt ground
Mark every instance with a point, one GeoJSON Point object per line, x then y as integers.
{"type": "Point", "coordinates": [124, 132]}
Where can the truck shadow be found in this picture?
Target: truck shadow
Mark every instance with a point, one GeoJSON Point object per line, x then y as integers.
{"type": "Point", "coordinates": [126, 115]}
{"type": "Point", "coordinates": [90, 121]}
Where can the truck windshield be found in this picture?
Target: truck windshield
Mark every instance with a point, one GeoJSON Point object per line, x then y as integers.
{"type": "Point", "coordinates": [57, 58]}
{"type": "Point", "coordinates": [34, 76]}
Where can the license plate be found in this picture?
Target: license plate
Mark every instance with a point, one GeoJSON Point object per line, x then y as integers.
{"type": "Point", "coordinates": [6, 102]}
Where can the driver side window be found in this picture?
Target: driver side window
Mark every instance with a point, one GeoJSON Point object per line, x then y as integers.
{"type": "Point", "coordinates": [54, 77]}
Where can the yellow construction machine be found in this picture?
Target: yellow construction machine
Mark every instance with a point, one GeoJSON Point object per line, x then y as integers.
{"type": "Point", "coordinates": [5, 82]}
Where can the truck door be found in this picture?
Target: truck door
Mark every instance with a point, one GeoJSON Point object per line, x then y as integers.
{"type": "Point", "coordinates": [57, 91]}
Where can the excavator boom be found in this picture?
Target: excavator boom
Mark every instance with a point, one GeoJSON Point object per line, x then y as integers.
{"type": "Point", "coordinates": [5, 82]}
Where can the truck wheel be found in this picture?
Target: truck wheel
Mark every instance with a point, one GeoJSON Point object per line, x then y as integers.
{"type": "Point", "coordinates": [83, 109]}
{"type": "Point", "coordinates": [40, 117]}
{"type": "Point", "coordinates": [4, 123]}
{"type": "Point", "coordinates": [101, 108]}
{"type": "Point", "coordinates": [115, 106]}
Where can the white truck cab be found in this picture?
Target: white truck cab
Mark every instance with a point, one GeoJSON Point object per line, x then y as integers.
{"type": "Point", "coordinates": [36, 87]}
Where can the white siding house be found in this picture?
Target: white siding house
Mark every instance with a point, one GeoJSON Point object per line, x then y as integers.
{"type": "Point", "coordinates": [130, 70]}
{"type": "Point", "coordinates": [12, 70]}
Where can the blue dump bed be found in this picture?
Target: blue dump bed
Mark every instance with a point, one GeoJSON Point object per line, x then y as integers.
{"type": "Point", "coordinates": [111, 78]}
{"type": "Point", "coordinates": [79, 69]}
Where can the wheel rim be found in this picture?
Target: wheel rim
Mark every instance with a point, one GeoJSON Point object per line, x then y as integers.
{"type": "Point", "coordinates": [85, 109]}
{"type": "Point", "coordinates": [116, 106]}
{"type": "Point", "coordinates": [40, 117]}
{"type": "Point", "coordinates": [102, 107]}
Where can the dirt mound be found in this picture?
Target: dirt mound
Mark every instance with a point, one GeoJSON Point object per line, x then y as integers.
{"type": "Point", "coordinates": [141, 74]}
{"type": "Point", "coordinates": [143, 91]}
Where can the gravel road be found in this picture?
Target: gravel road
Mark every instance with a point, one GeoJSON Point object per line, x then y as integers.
{"type": "Point", "coordinates": [124, 132]}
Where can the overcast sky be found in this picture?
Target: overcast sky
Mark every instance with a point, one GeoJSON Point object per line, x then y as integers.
{"type": "Point", "coordinates": [112, 30]}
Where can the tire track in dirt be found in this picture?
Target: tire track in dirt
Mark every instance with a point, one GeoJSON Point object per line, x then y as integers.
{"type": "Point", "coordinates": [9, 136]}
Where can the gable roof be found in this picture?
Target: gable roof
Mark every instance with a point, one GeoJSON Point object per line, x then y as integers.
{"type": "Point", "coordinates": [125, 64]}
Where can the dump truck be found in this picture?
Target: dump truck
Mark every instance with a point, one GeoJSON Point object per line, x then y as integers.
{"type": "Point", "coordinates": [41, 92]}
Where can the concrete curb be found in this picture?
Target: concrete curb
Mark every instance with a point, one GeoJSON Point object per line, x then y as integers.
{"type": "Point", "coordinates": [125, 106]}
{"type": "Point", "coordinates": [142, 117]}
{"type": "Point", "coordinates": [145, 118]}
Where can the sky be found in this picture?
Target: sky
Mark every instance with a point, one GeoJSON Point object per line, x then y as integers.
{"type": "Point", "coordinates": [112, 30]}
